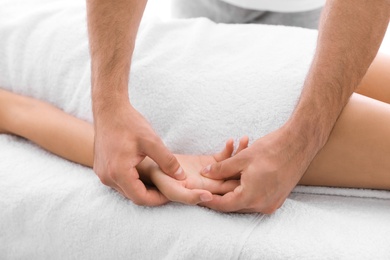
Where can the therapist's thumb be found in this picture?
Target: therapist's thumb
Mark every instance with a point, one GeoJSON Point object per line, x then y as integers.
{"type": "Point", "coordinates": [167, 161]}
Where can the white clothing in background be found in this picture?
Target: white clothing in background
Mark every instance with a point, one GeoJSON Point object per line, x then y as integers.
{"type": "Point", "coordinates": [278, 5]}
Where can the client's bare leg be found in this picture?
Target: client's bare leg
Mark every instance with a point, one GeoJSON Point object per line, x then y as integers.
{"type": "Point", "coordinates": [359, 142]}
{"type": "Point", "coordinates": [357, 152]}
{"type": "Point", "coordinates": [376, 82]}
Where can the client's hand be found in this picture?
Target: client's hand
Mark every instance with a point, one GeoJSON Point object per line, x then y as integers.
{"type": "Point", "coordinates": [195, 188]}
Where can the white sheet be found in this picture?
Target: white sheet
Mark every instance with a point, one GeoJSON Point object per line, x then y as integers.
{"type": "Point", "coordinates": [198, 83]}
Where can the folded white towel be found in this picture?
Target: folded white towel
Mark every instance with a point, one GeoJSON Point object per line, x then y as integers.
{"type": "Point", "coordinates": [198, 83]}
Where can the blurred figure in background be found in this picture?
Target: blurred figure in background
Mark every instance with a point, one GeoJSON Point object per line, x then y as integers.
{"type": "Point", "coordinates": [300, 13]}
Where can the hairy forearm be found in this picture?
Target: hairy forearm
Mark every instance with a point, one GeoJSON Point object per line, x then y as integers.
{"type": "Point", "coordinates": [349, 37]}
{"type": "Point", "coordinates": [112, 27]}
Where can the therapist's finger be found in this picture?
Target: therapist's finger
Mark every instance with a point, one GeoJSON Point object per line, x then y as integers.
{"type": "Point", "coordinates": [226, 152]}
{"type": "Point", "coordinates": [225, 169]}
{"type": "Point", "coordinates": [111, 183]}
{"type": "Point", "coordinates": [167, 162]}
{"type": "Point", "coordinates": [230, 202]}
{"type": "Point", "coordinates": [136, 191]}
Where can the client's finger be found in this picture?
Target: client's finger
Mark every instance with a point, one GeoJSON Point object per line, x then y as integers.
{"type": "Point", "coordinates": [181, 194]}
{"type": "Point", "coordinates": [135, 190]}
{"type": "Point", "coordinates": [176, 191]}
{"type": "Point", "coordinates": [230, 202]}
{"type": "Point", "coordinates": [226, 152]}
{"type": "Point", "coordinates": [244, 141]}
{"type": "Point", "coordinates": [220, 187]}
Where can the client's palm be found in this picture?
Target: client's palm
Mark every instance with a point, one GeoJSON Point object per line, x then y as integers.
{"type": "Point", "coordinates": [193, 164]}
{"type": "Point", "coordinates": [188, 190]}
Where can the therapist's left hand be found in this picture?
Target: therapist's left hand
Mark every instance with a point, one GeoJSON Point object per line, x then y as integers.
{"type": "Point", "coordinates": [269, 169]}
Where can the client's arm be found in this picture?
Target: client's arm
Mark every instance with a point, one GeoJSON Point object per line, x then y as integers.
{"type": "Point", "coordinates": [72, 138]}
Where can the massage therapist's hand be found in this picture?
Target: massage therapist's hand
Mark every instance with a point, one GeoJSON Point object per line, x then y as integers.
{"type": "Point", "coordinates": [195, 188]}
{"type": "Point", "coordinates": [123, 139]}
{"type": "Point", "coordinates": [122, 136]}
{"type": "Point", "coordinates": [269, 169]}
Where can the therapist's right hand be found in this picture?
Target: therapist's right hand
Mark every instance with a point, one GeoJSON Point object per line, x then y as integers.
{"type": "Point", "coordinates": [123, 138]}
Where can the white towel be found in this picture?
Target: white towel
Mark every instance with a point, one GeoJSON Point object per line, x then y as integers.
{"type": "Point", "coordinates": [212, 81]}
{"type": "Point", "coordinates": [198, 83]}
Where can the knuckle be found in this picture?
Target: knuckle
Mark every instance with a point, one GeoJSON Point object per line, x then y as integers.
{"type": "Point", "coordinates": [133, 174]}
{"type": "Point", "coordinates": [151, 140]}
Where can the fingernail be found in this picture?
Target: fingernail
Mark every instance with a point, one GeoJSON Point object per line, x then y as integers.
{"type": "Point", "coordinates": [179, 173]}
{"type": "Point", "coordinates": [206, 197]}
{"type": "Point", "coordinates": [206, 169]}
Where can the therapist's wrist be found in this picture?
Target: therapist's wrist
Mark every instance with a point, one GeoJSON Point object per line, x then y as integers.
{"type": "Point", "coordinates": [308, 134]}
{"type": "Point", "coordinates": [108, 104]}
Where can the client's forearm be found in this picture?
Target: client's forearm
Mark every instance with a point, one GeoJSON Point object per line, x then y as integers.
{"type": "Point", "coordinates": [47, 126]}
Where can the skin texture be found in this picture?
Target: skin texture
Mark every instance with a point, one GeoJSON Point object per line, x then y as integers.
{"type": "Point", "coordinates": [350, 34]}
{"type": "Point", "coordinates": [355, 155]}
{"type": "Point", "coordinates": [123, 138]}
